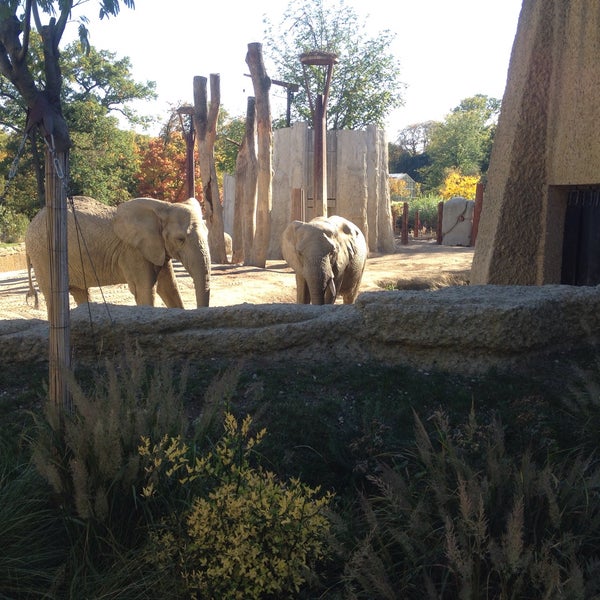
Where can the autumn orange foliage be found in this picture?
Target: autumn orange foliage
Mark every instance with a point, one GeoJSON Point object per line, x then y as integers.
{"type": "Point", "coordinates": [398, 188]}
{"type": "Point", "coordinates": [162, 171]}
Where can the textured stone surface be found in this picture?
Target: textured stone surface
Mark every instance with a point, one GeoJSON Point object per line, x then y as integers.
{"type": "Point", "coordinates": [457, 222]}
{"type": "Point", "coordinates": [12, 258]}
{"type": "Point", "coordinates": [464, 329]}
{"type": "Point", "coordinates": [548, 138]}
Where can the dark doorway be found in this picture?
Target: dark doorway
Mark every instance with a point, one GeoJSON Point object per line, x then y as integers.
{"type": "Point", "coordinates": [581, 239]}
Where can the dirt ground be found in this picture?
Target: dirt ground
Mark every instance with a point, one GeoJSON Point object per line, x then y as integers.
{"type": "Point", "coordinates": [416, 262]}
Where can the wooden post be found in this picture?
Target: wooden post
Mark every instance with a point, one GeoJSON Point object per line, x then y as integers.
{"type": "Point", "coordinates": [59, 351]}
{"type": "Point", "coordinates": [416, 230]}
{"type": "Point", "coordinates": [190, 178]}
{"type": "Point", "coordinates": [205, 125]}
{"type": "Point", "coordinates": [320, 160]}
{"type": "Point", "coordinates": [264, 135]}
{"type": "Point", "coordinates": [298, 205]}
{"type": "Point", "coordinates": [405, 224]}
{"type": "Point", "coordinates": [245, 188]}
{"type": "Point", "coordinates": [479, 189]}
{"type": "Point", "coordinates": [318, 109]}
{"type": "Point", "coordinates": [439, 222]}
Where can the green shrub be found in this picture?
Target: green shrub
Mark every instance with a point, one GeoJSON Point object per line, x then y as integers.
{"type": "Point", "coordinates": [12, 226]}
{"type": "Point", "coordinates": [427, 207]}
{"type": "Point", "coordinates": [457, 517]}
{"type": "Point", "coordinates": [245, 534]}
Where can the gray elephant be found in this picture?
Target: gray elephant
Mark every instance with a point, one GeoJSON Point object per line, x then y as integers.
{"type": "Point", "coordinates": [328, 255]}
{"type": "Point", "coordinates": [132, 243]}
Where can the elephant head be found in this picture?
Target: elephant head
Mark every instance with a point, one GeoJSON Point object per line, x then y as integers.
{"type": "Point", "coordinates": [328, 256]}
{"type": "Point", "coordinates": [164, 230]}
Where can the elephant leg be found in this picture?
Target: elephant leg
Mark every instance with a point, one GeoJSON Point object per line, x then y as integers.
{"type": "Point", "coordinates": [80, 295]}
{"type": "Point", "coordinates": [143, 295]}
{"type": "Point", "coordinates": [350, 291]}
{"type": "Point", "coordinates": [167, 286]}
{"type": "Point", "coordinates": [141, 283]}
{"type": "Point", "coordinates": [302, 292]}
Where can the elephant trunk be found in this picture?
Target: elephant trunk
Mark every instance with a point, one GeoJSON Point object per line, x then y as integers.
{"type": "Point", "coordinates": [196, 261]}
{"type": "Point", "coordinates": [322, 284]}
{"type": "Point", "coordinates": [200, 274]}
{"type": "Point", "coordinates": [202, 287]}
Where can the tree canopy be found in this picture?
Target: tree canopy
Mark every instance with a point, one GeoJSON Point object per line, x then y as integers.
{"type": "Point", "coordinates": [460, 145]}
{"type": "Point", "coordinates": [19, 19]}
{"type": "Point", "coordinates": [365, 86]}
{"type": "Point", "coordinates": [104, 159]}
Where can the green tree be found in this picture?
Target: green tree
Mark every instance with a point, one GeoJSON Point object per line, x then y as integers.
{"type": "Point", "coordinates": [409, 153]}
{"type": "Point", "coordinates": [100, 76]}
{"type": "Point", "coordinates": [463, 141]}
{"type": "Point", "coordinates": [415, 138]}
{"type": "Point", "coordinates": [103, 158]}
{"type": "Point", "coordinates": [365, 86]}
{"type": "Point", "coordinates": [229, 139]}
{"type": "Point", "coordinates": [38, 84]}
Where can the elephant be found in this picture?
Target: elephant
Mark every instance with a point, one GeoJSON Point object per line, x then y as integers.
{"type": "Point", "coordinates": [328, 256]}
{"type": "Point", "coordinates": [132, 243]}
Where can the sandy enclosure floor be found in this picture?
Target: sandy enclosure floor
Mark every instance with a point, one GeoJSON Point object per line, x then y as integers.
{"type": "Point", "coordinates": [235, 284]}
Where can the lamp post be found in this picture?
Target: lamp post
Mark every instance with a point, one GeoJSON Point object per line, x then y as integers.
{"type": "Point", "coordinates": [189, 136]}
{"type": "Point", "coordinates": [318, 108]}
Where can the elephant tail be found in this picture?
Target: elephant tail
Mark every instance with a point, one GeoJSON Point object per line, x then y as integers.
{"type": "Point", "coordinates": [32, 291]}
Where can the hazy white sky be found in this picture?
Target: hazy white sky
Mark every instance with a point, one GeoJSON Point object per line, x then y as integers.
{"type": "Point", "coordinates": [448, 50]}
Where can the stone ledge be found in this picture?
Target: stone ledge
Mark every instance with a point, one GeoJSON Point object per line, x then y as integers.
{"type": "Point", "coordinates": [467, 329]}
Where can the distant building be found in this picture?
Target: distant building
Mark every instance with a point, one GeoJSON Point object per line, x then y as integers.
{"type": "Point", "coordinates": [410, 183]}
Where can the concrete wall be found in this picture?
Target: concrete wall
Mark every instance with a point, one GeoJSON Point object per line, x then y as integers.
{"type": "Point", "coordinates": [462, 329]}
{"type": "Point", "coordinates": [357, 182]}
{"type": "Point", "coordinates": [548, 139]}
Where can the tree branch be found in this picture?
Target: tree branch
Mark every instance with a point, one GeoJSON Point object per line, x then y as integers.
{"type": "Point", "coordinates": [26, 31]}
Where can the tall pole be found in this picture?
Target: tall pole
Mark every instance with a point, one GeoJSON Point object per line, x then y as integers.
{"type": "Point", "coordinates": [59, 351]}
{"type": "Point", "coordinates": [319, 114]}
{"type": "Point", "coordinates": [320, 159]}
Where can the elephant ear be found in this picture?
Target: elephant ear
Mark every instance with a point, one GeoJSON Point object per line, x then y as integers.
{"type": "Point", "coordinates": [350, 234]}
{"type": "Point", "coordinates": [288, 243]}
{"type": "Point", "coordinates": [138, 223]}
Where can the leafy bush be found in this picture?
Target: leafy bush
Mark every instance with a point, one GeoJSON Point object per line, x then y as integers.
{"type": "Point", "coordinates": [245, 534]}
{"type": "Point", "coordinates": [12, 226]}
{"type": "Point", "coordinates": [457, 184]}
{"type": "Point", "coordinates": [427, 207]}
{"type": "Point", "coordinates": [458, 517]}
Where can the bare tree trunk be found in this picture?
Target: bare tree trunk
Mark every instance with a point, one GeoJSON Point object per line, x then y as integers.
{"type": "Point", "coordinates": [205, 124]}
{"type": "Point", "coordinates": [262, 84]}
{"type": "Point", "coordinates": [245, 189]}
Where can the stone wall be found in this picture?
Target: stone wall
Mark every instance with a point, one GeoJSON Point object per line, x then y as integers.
{"type": "Point", "coordinates": [462, 329]}
{"type": "Point", "coordinates": [357, 182]}
{"type": "Point", "coordinates": [547, 141]}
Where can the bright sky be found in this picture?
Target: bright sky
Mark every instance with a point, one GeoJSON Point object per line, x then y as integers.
{"type": "Point", "coordinates": [448, 50]}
